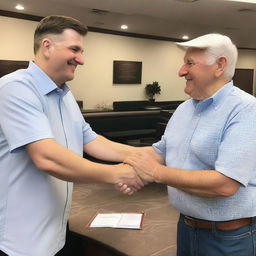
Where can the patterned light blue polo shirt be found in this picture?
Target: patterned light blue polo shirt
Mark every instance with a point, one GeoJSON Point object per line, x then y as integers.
{"type": "Point", "coordinates": [218, 133]}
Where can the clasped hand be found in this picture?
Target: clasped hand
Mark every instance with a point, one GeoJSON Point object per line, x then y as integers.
{"type": "Point", "coordinates": [143, 167]}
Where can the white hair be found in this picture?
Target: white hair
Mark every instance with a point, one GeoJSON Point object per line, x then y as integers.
{"type": "Point", "coordinates": [216, 46]}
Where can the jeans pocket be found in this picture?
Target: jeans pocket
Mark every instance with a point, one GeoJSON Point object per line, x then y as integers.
{"type": "Point", "coordinates": [238, 242]}
{"type": "Point", "coordinates": [240, 233]}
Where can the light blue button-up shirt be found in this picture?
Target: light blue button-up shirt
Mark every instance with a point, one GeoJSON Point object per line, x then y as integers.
{"type": "Point", "coordinates": [34, 206]}
{"type": "Point", "coordinates": [218, 133]}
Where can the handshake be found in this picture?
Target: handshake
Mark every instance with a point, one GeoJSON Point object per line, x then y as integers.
{"type": "Point", "coordinates": [138, 169]}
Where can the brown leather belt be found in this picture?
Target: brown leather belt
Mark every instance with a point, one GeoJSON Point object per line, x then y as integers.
{"type": "Point", "coordinates": [221, 225]}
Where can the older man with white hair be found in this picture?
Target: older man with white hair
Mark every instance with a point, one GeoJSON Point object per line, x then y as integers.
{"type": "Point", "coordinates": [209, 149]}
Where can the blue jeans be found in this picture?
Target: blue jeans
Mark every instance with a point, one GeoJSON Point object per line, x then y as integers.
{"type": "Point", "coordinates": [213, 242]}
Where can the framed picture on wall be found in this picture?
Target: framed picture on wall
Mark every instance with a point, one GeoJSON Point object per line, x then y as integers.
{"type": "Point", "coordinates": [127, 72]}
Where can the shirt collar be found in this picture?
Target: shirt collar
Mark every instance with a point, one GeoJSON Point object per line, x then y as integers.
{"type": "Point", "coordinates": [220, 95]}
{"type": "Point", "coordinates": [43, 82]}
{"type": "Point", "coordinates": [216, 99]}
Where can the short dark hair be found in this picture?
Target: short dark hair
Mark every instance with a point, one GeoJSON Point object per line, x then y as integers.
{"type": "Point", "coordinates": [56, 24]}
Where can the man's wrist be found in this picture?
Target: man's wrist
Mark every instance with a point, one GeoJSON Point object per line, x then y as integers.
{"type": "Point", "coordinates": [116, 174]}
{"type": "Point", "coordinates": [156, 174]}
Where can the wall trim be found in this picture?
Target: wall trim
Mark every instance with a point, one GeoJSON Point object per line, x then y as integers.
{"type": "Point", "coordinates": [18, 15]}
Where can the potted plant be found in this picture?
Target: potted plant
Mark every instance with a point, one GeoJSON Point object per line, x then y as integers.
{"type": "Point", "coordinates": [152, 89]}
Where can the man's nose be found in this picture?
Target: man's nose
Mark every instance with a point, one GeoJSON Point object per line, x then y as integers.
{"type": "Point", "coordinates": [80, 59]}
{"type": "Point", "coordinates": [183, 71]}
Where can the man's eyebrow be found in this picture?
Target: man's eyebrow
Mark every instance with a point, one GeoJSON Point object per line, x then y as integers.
{"type": "Point", "coordinates": [77, 47]}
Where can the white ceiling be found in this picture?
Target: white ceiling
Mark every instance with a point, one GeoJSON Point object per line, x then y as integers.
{"type": "Point", "coordinates": [165, 18]}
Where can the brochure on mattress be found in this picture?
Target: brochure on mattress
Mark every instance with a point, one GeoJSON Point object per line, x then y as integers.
{"type": "Point", "coordinates": [117, 220]}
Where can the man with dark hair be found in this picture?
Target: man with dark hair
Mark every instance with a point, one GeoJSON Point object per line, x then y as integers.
{"type": "Point", "coordinates": [42, 138]}
{"type": "Point", "coordinates": [55, 24]}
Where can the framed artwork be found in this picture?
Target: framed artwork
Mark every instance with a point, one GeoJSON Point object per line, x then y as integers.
{"type": "Point", "coordinates": [127, 72]}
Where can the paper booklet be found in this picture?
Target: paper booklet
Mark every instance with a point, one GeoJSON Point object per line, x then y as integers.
{"type": "Point", "coordinates": [117, 220]}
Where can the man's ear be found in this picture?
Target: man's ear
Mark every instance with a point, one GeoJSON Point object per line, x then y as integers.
{"type": "Point", "coordinates": [221, 66]}
{"type": "Point", "coordinates": [46, 45]}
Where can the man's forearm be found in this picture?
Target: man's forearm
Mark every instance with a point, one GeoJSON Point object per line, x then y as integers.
{"type": "Point", "coordinates": [104, 149]}
{"type": "Point", "coordinates": [205, 183]}
{"type": "Point", "coordinates": [64, 164]}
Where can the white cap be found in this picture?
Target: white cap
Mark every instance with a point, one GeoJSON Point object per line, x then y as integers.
{"type": "Point", "coordinates": [205, 41]}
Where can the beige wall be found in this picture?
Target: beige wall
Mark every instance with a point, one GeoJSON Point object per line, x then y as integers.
{"type": "Point", "coordinates": [93, 82]}
{"type": "Point", "coordinates": [16, 39]}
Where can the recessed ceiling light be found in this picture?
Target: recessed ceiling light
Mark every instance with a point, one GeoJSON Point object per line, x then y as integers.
{"type": "Point", "coordinates": [124, 27]}
{"type": "Point", "coordinates": [185, 37]}
{"type": "Point", "coordinates": [19, 7]}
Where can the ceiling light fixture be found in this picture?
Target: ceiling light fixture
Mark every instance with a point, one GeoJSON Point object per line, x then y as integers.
{"type": "Point", "coordinates": [19, 7]}
{"type": "Point", "coordinates": [185, 37]}
{"type": "Point", "coordinates": [124, 26]}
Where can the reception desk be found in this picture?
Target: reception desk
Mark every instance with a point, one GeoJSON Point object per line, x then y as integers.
{"type": "Point", "coordinates": [156, 238]}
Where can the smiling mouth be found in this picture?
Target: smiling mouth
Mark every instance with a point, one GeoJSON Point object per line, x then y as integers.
{"type": "Point", "coordinates": [72, 64]}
